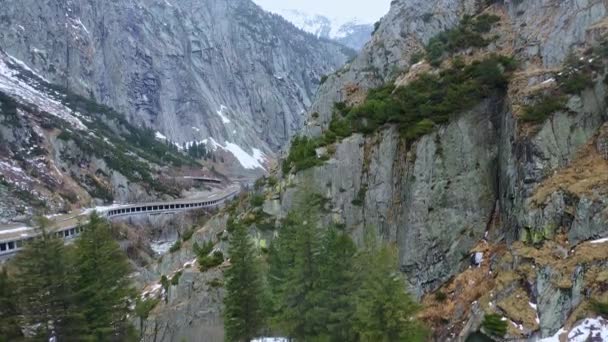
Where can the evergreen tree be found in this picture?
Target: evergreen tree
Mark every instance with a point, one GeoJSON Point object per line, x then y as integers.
{"type": "Point", "coordinates": [281, 261]}
{"type": "Point", "coordinates": [9, 324]}
{"type": "Point", "coordinates": [385, 312]}
{"type": "Point", "coordinates": [337, 285]}
{"type": "Point", "coordinates": [102, 284]}
{"type": "Point", "coordinates": [300, 314]}
{"type": "Point", "coordinates": [243, 305]}
{"type": "Point", "coordinates": [43, 281]}
{"type": "Point", "coordinates": [312, 278]}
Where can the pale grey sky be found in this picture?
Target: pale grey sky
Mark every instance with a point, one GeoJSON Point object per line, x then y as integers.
{"type": "Point", "coordinates": [370, 10]}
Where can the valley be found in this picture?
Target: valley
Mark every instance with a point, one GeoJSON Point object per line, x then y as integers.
{"type": "Point", "coordinates": [204, 170]}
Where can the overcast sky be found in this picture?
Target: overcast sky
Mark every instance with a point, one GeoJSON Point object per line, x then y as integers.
{"type": "Point", "coordinates": [370, 10]}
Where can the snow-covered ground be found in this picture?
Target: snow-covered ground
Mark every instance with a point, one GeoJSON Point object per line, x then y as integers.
{"type": "Point", "coordinates": [590, 329]}
{"type": "Point", "coordinates": [161, 247]}
{"type": "Point", "coordinates": [11, 84]}
{"type": "Point", "coordinates": [249, 161]}
{"type": "Point", "coordinates": [604, 240]}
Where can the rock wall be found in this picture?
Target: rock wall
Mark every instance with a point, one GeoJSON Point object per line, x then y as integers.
{"type": "Point", "coordinates": [526, 197]}
{"type": "Point", "coordinates": [192, 70]}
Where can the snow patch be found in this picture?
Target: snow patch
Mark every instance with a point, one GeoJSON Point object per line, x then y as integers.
{"type": "Point", "coordinates": [604, 240]}
{"type": "Point", "coordinates": [79, 22]}
{"type": "Point", "coordinates": [160, 136]}
{"type": "Point", "coordinates": [161, 247]}
{"type": "Point", "coordinates": [189, 263]}
{"type": "Point", "coordinates": [222, 114]}
{"type": "Point", "coordinates": [4, 166]}
{"type": "Point", "coordinates": [595, 329]}
{"type": "Point", "coordinates": [16, 87]}
{"type": "Point", "coordinates": [551, 80]}
{"type": "Point", "coordinates": [248, 161]}
{"type": "Point", "coordinates": [25, 67]}
{"type": "Point", "coordinates": [322, 26]}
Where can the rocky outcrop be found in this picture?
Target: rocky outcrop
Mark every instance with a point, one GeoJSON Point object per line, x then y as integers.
{"type": "Point", "coordinates": [402, 32]}
{"type": "Point", "coordinates": [434, 199]}
{"type": "Point", "coordinates": [522, 197]}
{"type": "Point", "coordinates": [190, 308]}
{"type": "Point", "coordinates": [192, 70]}
{"type": "Point", "coordinates": [488, 176]}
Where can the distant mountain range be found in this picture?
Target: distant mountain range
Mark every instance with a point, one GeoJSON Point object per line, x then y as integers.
{"type": "Point", "coordinates": [352, 32]}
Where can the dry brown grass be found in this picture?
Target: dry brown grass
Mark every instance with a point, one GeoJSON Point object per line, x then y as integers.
{"type": "Point", "coordinates": [465, 288]}
{"type": "Point", "coordinates": [517, 307]}
{"type": "Point", "coordinates": [563, 266]}
{"type": "Point", "coordinates": [587, 175]}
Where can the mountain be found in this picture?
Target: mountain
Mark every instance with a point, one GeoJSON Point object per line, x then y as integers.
{"type": "Point", "coordinates": [191, 70]}
{"type": "Point", "coordinates": [473, 137]}
{"type": "Point", "coordinates": [353, 33]}
{"type": "Point", "coordinates": [60, 151]}
{"type": "Point", "coordinates": [445, 171]}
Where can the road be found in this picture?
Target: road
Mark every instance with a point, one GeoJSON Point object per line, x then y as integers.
{"type": "Point", "coordinates": [65, 225]}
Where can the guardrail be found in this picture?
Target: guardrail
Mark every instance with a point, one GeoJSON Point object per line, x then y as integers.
{"type": "Point", "coordinates": [14, 245]}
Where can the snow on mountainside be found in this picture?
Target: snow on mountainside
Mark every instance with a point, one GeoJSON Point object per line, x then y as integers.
{"type": "Point", "coordinates": [351, 32]}
{"type": "Point", "coordinates": [60, 151]}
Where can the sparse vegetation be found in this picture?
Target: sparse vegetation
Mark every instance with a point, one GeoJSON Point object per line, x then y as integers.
{"type": "Point", "coordinates": [187, 234]}
{"type": "Point", "coordinates": [175, 278]}
{"type": "Point", "coordinates": [426, 102]}
{"type": "Point", "coordinates": [302, 155]}
{"type": "Point", "coordinates": [547, 106]}
{"type": "Point", "coordinates": [176, 246]}
{"type": "Point", "coordinates": [257, 200]}
{"type": "Point", "coordinates": [600, 308]}
{"type": "Point", "coordinates": [440, 296]}
{"type": "Point", "coordinates": [417, 108]}
{"type": "Point", "coordinates": [494, 325]}
{"type": "Point", "coordinates": [470, 33]}
{"type": "Point", "coordinates": [210, 261]}
{"type": "Point", "coordinates": [8, 109]}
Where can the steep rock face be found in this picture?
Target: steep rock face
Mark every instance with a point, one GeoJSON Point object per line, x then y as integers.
{"type": "Point", "coordinates": [487, 179]}
{"type": "Point", "coordinates": [527, 161]}
{"type": "Point", "coordinates": [434, 199]}
{"type": "Point", "coordinates": [191, 309]}
{"type": "Point", "coordinates": [544, 32]}
{"type": "Point", "coordinates": [402, 32]}
{"type": "Point", "coordinates": [192, 70]}
{"type": "Point", "coordinates": [481, 182]}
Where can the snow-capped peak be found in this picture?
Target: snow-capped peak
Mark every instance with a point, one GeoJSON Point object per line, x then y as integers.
{"type": "Point", "coordinates": [319, 25]}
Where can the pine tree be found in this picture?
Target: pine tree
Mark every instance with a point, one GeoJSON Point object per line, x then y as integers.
{"type": "Point", "coordinates": [300, 314]}
{"type": "Point", "coordinates": [385, 312]}
{"type": "Point", "coordinates": [102, 284]}
{"type": "Point", "coordinates": [43, 281]}
{"type": "Point", "coordinates": [9, 324]}
{"type": "Point", "coordinates": [281, 261]}
{"type": "Point", "coordinates": [337, 285]}
{"type": "Point", "coordinates": [243, 307]}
